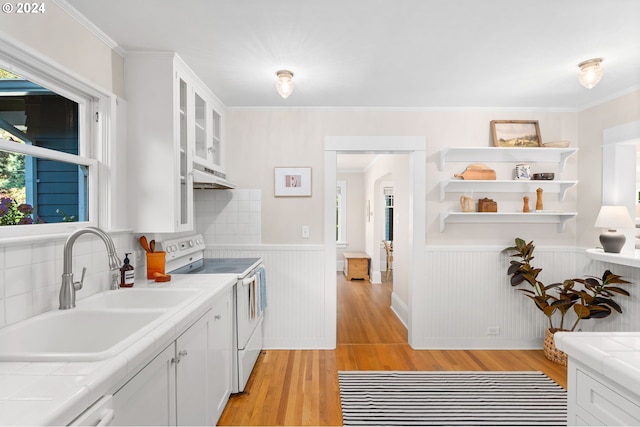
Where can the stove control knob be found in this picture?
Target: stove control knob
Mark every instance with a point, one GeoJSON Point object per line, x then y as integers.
{"type": "Point", "coordinates": [190, 243]}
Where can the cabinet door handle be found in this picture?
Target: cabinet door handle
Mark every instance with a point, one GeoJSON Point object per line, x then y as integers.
{"type": "Point", "coordinates": [218, 316]}
{"type": "Point", "coordinates": [175, 360]}
{"type": "Point", "coordinates": [182, 353]}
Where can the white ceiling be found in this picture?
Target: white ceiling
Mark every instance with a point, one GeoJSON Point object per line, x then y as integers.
{"type": "Point", "coordinates": [389, 54]}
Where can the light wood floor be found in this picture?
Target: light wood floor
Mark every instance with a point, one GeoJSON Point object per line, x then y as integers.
{"type": "Point", "coordinates": [300, 387]}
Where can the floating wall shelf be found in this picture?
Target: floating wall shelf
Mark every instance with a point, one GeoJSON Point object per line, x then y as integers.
{"type": "Point", "coordinates": [507, 154]}
{"type": "Point", "coordinates": [559, 218]}
{"type": "Point", "coordinates": [504, 186]}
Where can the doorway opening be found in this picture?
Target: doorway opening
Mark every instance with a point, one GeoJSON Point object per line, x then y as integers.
{"type": "Point", "coordinates": [367, 219]}
{"type": "Point", "coordinates": [414, 151]}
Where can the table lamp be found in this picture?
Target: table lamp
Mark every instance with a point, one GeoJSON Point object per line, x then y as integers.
{"type": "Point", "coordinates": [613, 218]}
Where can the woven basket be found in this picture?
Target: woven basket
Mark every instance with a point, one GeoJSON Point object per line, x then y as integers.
{"type": "Point", "coordinates": [551, 351]}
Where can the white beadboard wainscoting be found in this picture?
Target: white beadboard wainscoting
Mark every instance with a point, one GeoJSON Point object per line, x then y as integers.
{"type": "Point", "coordinates": [466, 291]}
{"type": "Point", "coordinates": [629, 320]}
{"type": "Point", "coordinates": [301, 312]}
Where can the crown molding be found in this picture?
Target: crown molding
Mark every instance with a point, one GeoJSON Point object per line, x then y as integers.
{"type": "Point", "coordinates": [90, 26]}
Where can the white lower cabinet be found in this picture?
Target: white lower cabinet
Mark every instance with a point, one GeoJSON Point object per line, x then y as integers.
{"type": "Point", "coordinates": [189, 382]}
{"type": "Point", "coordinates": [149, 397]}
{"type": "Point", "coordinates": [220, 356]}
{"type": "Point", "coordinates": [593, 400]}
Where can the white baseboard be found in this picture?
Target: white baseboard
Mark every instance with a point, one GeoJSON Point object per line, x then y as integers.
{"type": "Point", "coordinates": [376, 277]}
{"type": "Point", "coordinates": [400, 309]}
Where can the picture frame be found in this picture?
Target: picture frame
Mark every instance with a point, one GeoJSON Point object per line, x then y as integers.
{"type": "Point", "coordinates": [292, 182]}
{"type": "Point", "coordinates": [516, 133]}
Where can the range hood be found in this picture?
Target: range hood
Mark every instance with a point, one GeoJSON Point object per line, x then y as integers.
{"type": "Point", "coordinates": [205, 178]}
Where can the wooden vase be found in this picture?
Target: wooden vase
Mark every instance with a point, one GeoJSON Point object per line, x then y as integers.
{"type": "Point", "coordinates": [539, 205]}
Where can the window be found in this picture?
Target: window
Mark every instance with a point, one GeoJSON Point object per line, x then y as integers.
{"type": "Point", "coordinates": [42, 179]}
{"type": "Point", "coordinates": [341, 211]}
{"type": "Point", "coordinates": [388, 213]}
{"type": "Point", "coordinates": [51, 130]}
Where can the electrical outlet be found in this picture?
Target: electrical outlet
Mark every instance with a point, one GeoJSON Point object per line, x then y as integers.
{"type": "Point", "coordinates": [305, 231]}
{"type": "Point", "coordinates": [493, 330]}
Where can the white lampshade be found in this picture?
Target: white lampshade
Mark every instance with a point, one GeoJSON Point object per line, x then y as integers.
{"type": "Point", "coordinates": [284, 83]}
{"type": "Point", "coordinates": [614, 217]}
{"type": "Point", "coordinates": [590, 72]}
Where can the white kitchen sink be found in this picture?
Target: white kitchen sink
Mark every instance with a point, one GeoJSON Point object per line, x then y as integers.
{"type": "Point", "coordinates": [138, 298]}
{"type": "Point", "coordinates": [74, 335]}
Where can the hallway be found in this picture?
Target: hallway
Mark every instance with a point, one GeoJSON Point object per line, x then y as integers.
{"type": "Point", "coordinates": [365, 315]}
{"type": "Point", "coordinates": [300, 387]}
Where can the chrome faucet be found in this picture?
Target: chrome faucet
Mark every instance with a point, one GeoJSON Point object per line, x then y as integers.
{"type": "Point", "coordinates": [68, 287]}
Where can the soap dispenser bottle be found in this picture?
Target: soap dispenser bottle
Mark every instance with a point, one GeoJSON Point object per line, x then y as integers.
{"type": "Point", "coordinates": [126, 273]}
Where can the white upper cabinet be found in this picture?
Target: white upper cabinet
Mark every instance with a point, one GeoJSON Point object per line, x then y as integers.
{"type": "Point", "coordinates": [208, 149]}
{"type": "Point", "coordinates": [174, 121]}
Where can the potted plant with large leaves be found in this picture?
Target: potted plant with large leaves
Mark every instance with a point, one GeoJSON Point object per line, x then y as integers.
{"type": "Point", "coordinates": [587, 298]}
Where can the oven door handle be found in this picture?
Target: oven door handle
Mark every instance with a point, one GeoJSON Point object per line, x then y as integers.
{"type": "Point", "coordinates": [248, 280]}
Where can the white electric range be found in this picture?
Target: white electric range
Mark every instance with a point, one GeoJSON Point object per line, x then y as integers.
{"type": "Point", "coordinates": [185, 255]}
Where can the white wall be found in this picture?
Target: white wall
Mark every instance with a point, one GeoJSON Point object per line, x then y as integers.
{"type": "Point", "coordinates": [592, 123]}
{"type": "Point", "coordinates": [355, 213]}
{"type": "Point", "coordinates": [66, 41]}
{"type": "Point", "coordinates": [286, 134]}
{"type": "Point", "coordinates": [262, 140]}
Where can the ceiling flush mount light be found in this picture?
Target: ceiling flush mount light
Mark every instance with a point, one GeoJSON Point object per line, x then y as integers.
{"type": "Point", "coordinates": [284, 84]}
{"type": "Point", "coordinates": [612, 218]}
{"type": "Point", "coordinates": [590, 72]}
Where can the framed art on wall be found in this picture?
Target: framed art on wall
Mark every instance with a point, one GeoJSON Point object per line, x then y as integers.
{"type": "Point", "coordinates": [292, 182]}
{"type": "Point", "coordinates": [516, 133]}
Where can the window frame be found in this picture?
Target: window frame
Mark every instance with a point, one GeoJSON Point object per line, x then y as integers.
{"type": "Point", "coordinates": [95, 108]}
{"type": "Point", "coordinates": [388, 190]}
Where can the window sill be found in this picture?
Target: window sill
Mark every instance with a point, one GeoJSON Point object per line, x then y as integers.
{"type": "Point", "coordinates": [47, 237]}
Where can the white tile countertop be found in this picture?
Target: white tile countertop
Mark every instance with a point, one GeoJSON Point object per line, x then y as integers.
{"type": "Point", "coordinates": [54, 393]}
{"type": "Point", "coordinates": [615, 355]}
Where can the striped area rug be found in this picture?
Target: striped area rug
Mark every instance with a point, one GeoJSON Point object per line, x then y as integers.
{"type": "Point", "coordinates": [430, 398]}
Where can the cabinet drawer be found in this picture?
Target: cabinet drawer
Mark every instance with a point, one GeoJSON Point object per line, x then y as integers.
{"type": "Point", "coordinates": [358, 264]}
{"type": "Point", "coordinates": [606, 405]}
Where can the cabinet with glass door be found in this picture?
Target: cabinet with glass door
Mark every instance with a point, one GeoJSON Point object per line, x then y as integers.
{"type": "Point", "coordinates": [208, 150]}
{"type": "Point", "coordinates": [160, 180]}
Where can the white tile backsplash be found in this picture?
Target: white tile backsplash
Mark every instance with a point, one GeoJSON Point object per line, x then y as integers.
{"type": "Point", "coordinates": [229, 216]}
{"type": "Point", "coordinates": [30, 274]}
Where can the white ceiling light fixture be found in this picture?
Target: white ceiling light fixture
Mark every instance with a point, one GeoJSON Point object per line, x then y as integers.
{"type": "Point", "coordinates": [284, 83]}
{"type": "Point", "coordinates": [590, 72]}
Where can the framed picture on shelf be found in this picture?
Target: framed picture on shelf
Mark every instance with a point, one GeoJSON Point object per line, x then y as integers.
{"type": "Point", "coordinates": [292, 182]}
{"type": "Point", "coordinates": [516, 133]}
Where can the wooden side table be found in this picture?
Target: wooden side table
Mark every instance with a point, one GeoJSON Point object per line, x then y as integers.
{"type": "Point", "coordinates": [356, 265]}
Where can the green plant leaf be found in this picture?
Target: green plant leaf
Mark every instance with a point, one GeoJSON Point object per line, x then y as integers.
{"type": "Point", "coordinates": [548, 310]}
{"type": "Point", "coordinates": [582, 311]}
{"type": "Point", "coordinates": [598, 312]}
{"type": "Point", "coordinates": [516, 279]}
{"type": "Point", "coordinates": [618, 290]}
{"type": "Point", "coordinates": [611, 303]}
{"type": "Point", "coordinates": [515, 265]}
